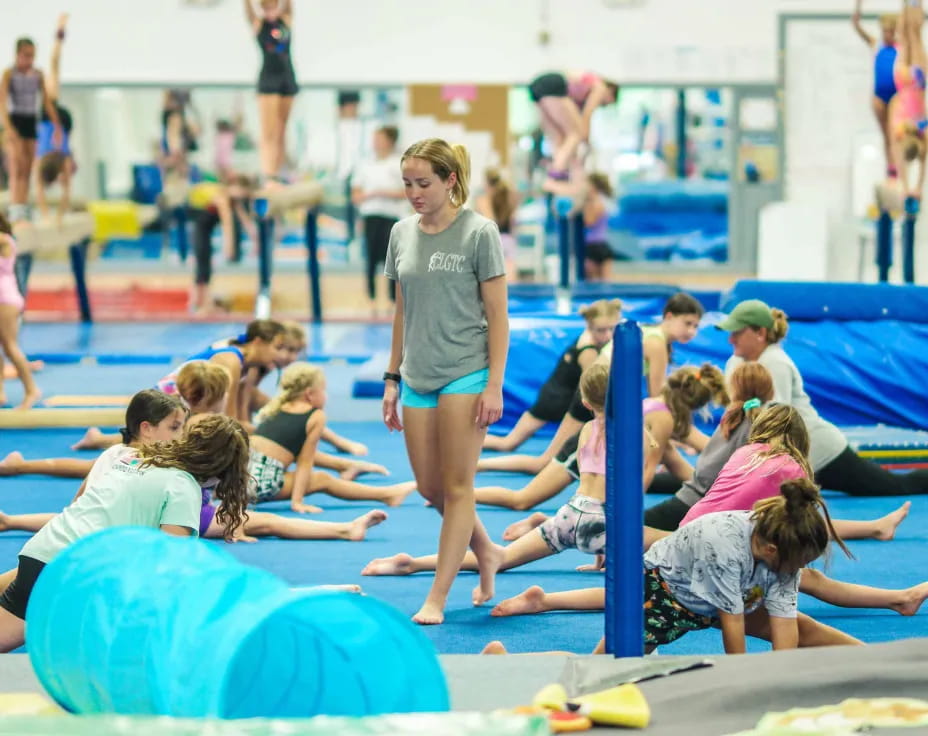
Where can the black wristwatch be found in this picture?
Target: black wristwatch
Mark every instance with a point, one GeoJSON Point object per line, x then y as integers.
{"type": "Point", "coordinates": [387, 376]}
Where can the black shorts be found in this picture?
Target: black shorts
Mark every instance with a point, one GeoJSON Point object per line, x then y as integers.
{"type": "Point", "coordinates": [27, 126]}
{"type": "Point", "coordinates": [548, 85]}
{"type": "Point", "coordinates": [599, 252]}
{"type": "Point", "coordinates": [568, 456]}
{"type": "Point", "coordinates": [551, 404]}
{"type": "Point", "coordinates": [16, 597]}
{"type": "Point", "coordinates": [283, 85]}
{"type": "Point", "coordinates": [666, 515]}
{"type": "Point", "coordinates": [577, 410]}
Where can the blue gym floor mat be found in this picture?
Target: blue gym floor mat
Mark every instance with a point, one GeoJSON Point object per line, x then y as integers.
{"type": "Point", "coordinates": [413, 528]}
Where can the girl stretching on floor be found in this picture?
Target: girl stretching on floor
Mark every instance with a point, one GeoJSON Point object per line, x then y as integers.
{"type": "Point", "coordinates": [738, 571]}
{"type": "Point", "coordinates": [11, 307]}
{"type": "Point", "coordinates": [680, 323]}
{"type": "Point", "coordinates": [555, 395]}
{"type": "Point", "coordinates": [248, 358]}
{"type": "Point", "coordinates": [288, 431]}
{"type": "Point", "coordinates": [154, 419]}
{"type": "Point", "coordinates": [201, 386]}
{"type": "Point", "coordinates": [157, 486]}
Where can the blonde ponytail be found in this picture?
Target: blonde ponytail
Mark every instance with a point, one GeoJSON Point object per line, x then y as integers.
{"type": "Point", "coordinates": [461, 190]}
{"type": "Point", "coordinates": [296, 379]}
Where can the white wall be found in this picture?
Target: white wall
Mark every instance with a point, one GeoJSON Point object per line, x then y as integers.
{"type": "Point", "coordinates": [398, 41]}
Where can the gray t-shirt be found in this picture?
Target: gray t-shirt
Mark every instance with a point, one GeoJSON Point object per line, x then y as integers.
{"type": "Point", "coordinates": [825, 439]}
{"type": "Point", "coordinates": [711, 461]}
{"type": "Point", "coordinates": [709, 567]}
{"type": "Point", "coordinates": [444, 323]}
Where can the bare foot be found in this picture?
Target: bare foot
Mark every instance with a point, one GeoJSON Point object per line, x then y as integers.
{"type": "Point", "coordinates": [529, 601]}
{"type": "Point", "coordinates": [347, 588]}
{"type": "Point", "coordinates": [521, 528]}
{"type": "Point", "coordinates": [356, 448]}
{"type": "Point", "coordinates": [4, 522]}
{"type": "Point", "coordinates": [357, 530]}
{"type": "Point", "coordinates": [30, 399]}
{"type": "Point", "coordinates": [401, 564]}
{"type": "Point", "coordinates": [429, 615]}
{"type": "Point", "coordinates": [11, 464]}
{"type": "Point", "coordinates": [494, 647]}
{"type": "Point", "coordinates": [90, 441]}
{"type": "Point", "coordinates": [488, 565]}
{"type": "Point", "coordinates": [360, 468]}
{"type": "Point", "coordinates": [886, 527]}
{"type": "Point", "coordinates": [914, 597]}
{"type": "Point", "coordinates": [395, 495]}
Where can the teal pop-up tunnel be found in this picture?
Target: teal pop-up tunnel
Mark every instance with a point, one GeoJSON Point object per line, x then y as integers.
{"type": "Point", "coordinates": [134, 621]}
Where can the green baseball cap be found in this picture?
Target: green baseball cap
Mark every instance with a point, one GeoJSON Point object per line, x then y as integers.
{"type": "Point", "coordinates": [749, 313]}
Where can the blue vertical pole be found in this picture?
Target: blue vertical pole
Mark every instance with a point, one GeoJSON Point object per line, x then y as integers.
{"type": "Point", "coordinates": [681, 134]}
{"type": "Point", "coordinates": [908, 240]}
{"type": "Point", "coordinates": [312, 263]}
{"type": "Point", "coordinates": [183, 244]}
{"type": "Point", "coordinates": [563, 249]}
{"type": "Point", "coordinates": [884, 245]}
{"type": "Point", "coordinates": [78, 254]}
{"type": "Point", "coordinates": [265, 227]}
{"type": "Point", "coordinates": [579, 238]}
{"type": "Point", "coordinates": [624, 496]}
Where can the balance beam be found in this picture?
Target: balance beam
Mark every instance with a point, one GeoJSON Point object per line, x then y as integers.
{"type": "Point", "coordinates": [304, 195]}
{"type": "Point", "coordinates": [45, 418]}
{"type": "Point", "coordinates": [47, 237]}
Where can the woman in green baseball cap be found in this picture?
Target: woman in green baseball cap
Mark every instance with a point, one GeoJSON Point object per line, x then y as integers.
{"type": "Point", "coordinates": [755, 333]}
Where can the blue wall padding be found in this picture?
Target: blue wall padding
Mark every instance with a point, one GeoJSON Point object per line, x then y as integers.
{"type": "Point", "coordinates": [853, 373]}
{"type": "Point", "coordinates": [836, 301]}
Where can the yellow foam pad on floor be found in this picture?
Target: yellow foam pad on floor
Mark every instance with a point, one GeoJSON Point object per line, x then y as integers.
{"type": "Point", "coordinates": [30, 418]}
{"type": "Point", "coordinates": [67, 400]}
{"type": "Point", "coordinates": [115, 219]}
{"type": "Point", "coordinates": [27, 704]}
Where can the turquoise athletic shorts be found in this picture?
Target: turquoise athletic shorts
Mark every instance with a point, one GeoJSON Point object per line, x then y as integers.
{"type": "Point", "coordinates": [472, 383]}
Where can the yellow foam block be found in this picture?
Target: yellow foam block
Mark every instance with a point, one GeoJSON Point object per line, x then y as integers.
{"type": "Point", "coordinates": [115, 219]}
{"type": "Point", "coordinates": [624, 705]}
{"type": "Point", "coordinates": [202, 194]}
{"type": "Point", "coordinates": [27, 704]}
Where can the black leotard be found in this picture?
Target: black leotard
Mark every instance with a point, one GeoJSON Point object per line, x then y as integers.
{"type": "Point", "coordinates": [554, 397]}
{"type": "Point", "coordinates": [277, 76]}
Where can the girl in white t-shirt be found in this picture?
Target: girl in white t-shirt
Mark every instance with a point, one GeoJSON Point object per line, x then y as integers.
{"type": "Point", "coordinates": [157, 485]}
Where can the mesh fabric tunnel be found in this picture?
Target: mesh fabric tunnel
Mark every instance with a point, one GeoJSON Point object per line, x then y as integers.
{"type": "Point", "coordinates": [135, 621]}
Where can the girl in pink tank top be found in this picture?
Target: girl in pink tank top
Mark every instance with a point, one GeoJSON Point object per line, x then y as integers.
{"type": "Point", "coordinates": [11, 306]}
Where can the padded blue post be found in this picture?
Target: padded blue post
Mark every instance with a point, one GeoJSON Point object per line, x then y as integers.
{"type": "Point", "coordinates": [265, 226]}
{"type": "Point", "coordinates": [78, 254]}
{"type": "Point", "coordinates": [884, 245]}
{"type": "Point", "coordinates": [312, 263]}
{"type": "Point", "coordinates": [579, 242]}
{"type": "Point", "coordinates": [624, 496]}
